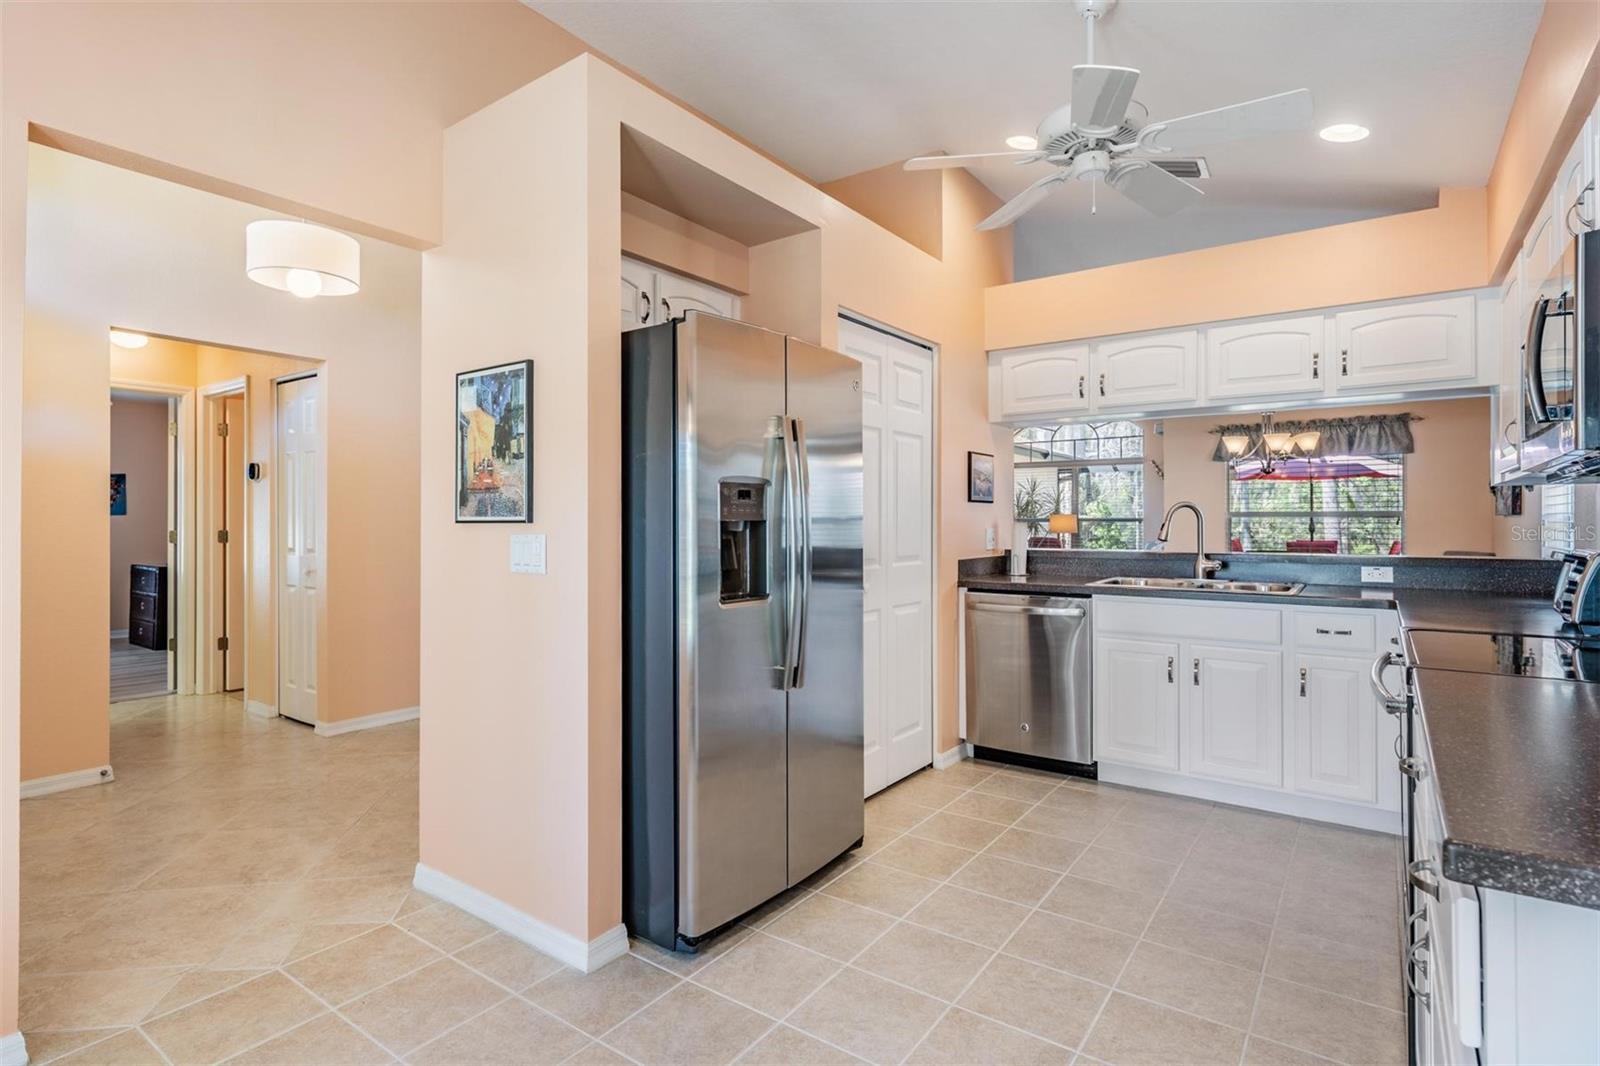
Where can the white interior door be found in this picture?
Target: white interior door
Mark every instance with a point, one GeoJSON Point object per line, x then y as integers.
{"type": "Point", "coordinates": [300, 547]}
{"type": "Point", "coordinates": [897, 563]}
{"type": "Point", "coordinates": [173, 518]}
{"type": "Point", "coordinates": [234, 446]}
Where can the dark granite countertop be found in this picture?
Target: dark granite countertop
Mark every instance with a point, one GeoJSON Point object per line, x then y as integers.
{"type": "Point", "coordinates": [1517, 764]}
{"type": "Point", "coordinates": [1072, 585]}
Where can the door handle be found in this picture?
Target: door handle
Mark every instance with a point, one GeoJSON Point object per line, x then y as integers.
{"type": "Point", "coordinates": [1169, 669]}
{"type": "Point", "coordinates": [1043, 612]}
{"type": "Point", "coordinates": [1316, 365]}
{"type": "Point", "coordinates": [1302, 681]}
{"type": "Point", "coordinates": [1080, 386]}
{"type": "Point", "coordinates": [1344, 362]}
{"type": "Point", "coordinates": [666, 309]}
{"type": "Point", "coordinates": [791, 628]}
{"type": "Point", "coordinates": [1102, 384]}
{"type": "Point", "coordinates": [803, 566]}
{"type": "Point", "coordinates": [644, 312]}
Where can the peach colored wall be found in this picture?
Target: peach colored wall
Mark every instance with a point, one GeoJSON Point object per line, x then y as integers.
{"type": "Point", "coordinates": [111, 246]}
{"type": "Point", "coordinates": [1447, 506]}
{"type": "Point", "coordinates": [658, 236]}
{"type": "Point", "coordinates": [907, 203]}
{"type": "Point", "coordinates": [139, 450]}
{"type": "Point", "coordinates": [1556, 94]}
{"type": "Point", "coordinates": [1434, 250]}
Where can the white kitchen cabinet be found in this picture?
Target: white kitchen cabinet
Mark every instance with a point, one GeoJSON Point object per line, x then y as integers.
{"type": "Point", "coordinates": [1136, 702]}
{"type": "Point", "coordinates": [1152, 372]}
{"type": "Point", "coordinates": [1039, 381]}
{"type": "Point", "coordinates": [1541, 248]}
{"type": "Point", "coordinates": [1333, 728]}
{"type": "Point", "coordinates": [1574, 190]}
{"type": "Point", "coordinates": [1405, 344]}
{"type": "Point", "coordinates": [1505, 428]}
{"type": "Point", "coordinates": [1281, 357]}
{"type": "Point", "coordinates": [1233, 714]}
{"type": "Point", "coordinates": [651, 295]}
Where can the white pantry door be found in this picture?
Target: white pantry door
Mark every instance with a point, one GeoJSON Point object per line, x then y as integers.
{"type": "Point", "coordinates": [300, 547]}
{"type": "Point", "coordinates": [897, 541]}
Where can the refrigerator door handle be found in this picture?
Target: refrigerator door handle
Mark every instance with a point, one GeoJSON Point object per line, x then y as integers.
{"type": "Point", "coordinates": [791, 563]}
{"type": "Point", "coordinates": [803, 563]}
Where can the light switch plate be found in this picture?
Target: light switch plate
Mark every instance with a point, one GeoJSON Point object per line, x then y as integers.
{"type": "Point", "coordinates": [988, 537]}
{"type": "Point", "coordinates": [527, 553]}
{"type": "Point", "coordinates": [1380, 574]}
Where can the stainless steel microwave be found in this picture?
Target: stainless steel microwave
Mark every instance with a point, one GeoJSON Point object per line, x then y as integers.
{"type": "Point", "coordinates": [1561, 369]}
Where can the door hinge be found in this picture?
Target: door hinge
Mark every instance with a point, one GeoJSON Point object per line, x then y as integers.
{"type": "Point", "coordinates": [222, 429]}
{"type": "Point", "coordinates": [222, 643]}
{"type": "Point", "coordinates": [172, 429]}
{"type": "Point", "coordinates": [172, 536]}
{"type": "Point", "coordinates": [222, 536]}
{"type": "Point", "coordinates": [172, 643]}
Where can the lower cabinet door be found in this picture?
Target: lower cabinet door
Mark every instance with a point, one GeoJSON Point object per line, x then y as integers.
{"type": "Point", "coordinates": [1333, 729]}
{"type": "Point", "coordinates": [1136, 685]}
{"type": "Point", "coordinates": [1233, 719]}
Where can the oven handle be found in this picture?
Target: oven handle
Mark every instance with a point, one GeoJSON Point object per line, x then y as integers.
{"type": "Point", "coordinates": [1391, 703]}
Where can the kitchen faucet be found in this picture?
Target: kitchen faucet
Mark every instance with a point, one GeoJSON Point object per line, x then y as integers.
{"type": "Point", "coordinates": [1203, 567]}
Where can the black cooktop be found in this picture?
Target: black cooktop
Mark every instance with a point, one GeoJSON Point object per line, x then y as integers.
{"type": "Point", "coordinates": [1562, 658]}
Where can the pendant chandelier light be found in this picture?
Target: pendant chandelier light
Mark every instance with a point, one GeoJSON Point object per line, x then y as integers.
{"type": "Point", "coordinates": [1274, 445]}
{"type": "Point", "coordinates": [302, 258]}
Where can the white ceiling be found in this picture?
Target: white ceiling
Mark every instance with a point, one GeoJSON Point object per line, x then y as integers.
{"type": "Point", "coordinates": [834, 88]}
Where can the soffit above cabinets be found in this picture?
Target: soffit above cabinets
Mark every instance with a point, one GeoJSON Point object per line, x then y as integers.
{"type": "Point", "coordinates": [672, 181]}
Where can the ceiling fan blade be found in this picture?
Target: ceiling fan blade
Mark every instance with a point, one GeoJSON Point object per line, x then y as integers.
{"type": "Point", "coordinates": [1100, 97]}
{"type": "Point", "coordinates": [943, 162]}
{"type": "Point", "coordinates": [1283, 113]}
{"type": "Point", "coordinates": [1024, 201]}
{"type": "Point", "coordinates": [1152, 188]}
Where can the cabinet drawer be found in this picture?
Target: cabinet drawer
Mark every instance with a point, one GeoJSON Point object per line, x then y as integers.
{"type": "Point", "coordinates": [143, 607]}
{"type": "Point", "coordinates": [1188, 619]}
{"type": "Point", "coordinates": [144, 634]}
{"type": "Point", "coordinates": [145, 579]}
{"type": "Point", "coordinates": [1340, 631]}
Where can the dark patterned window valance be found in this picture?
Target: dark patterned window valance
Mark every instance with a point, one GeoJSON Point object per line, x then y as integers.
{"type": "Point", "coordinates": [1358, 435]}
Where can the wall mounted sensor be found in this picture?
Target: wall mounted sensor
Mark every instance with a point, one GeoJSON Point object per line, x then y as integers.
{"type": "Point", "coordinates": [252, 471]}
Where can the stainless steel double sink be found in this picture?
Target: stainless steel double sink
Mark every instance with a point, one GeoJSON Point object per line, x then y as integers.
{"type": "Point", "coordinates": [1204, 584]}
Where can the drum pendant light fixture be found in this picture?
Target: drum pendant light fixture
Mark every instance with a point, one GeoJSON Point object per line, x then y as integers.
{"type": "Point", "coordinates": [302, 258]}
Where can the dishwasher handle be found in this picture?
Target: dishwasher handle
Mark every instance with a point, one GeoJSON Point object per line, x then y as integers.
{"type": "Point", "coordinates": [1021, 608]}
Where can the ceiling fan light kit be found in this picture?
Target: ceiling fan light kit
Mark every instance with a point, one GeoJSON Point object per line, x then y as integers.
{"type": "Point", "coordinates": [1102, 135]}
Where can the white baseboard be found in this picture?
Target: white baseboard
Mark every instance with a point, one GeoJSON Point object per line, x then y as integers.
{"type": "Point", "coordinates": [563, 947]}
{"type": "Point", "coordinates": [119, 634]}
{"type": "Point", "coordinates": [946, 759]}
{"type": "Point", "coordinates": [259, 709]}
{"type": "Point", "coordinates": [1355, 815]}
{"type": "Point", "coordinates": [368, 721]}
{"type": "Point", "coordinates": [13, 1050]}
{"type": "Point", "coordinates": [44, 786]}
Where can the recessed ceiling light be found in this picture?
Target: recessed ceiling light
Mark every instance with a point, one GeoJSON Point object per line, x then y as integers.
{"type": "Point", "coordinates": [1344, 133]}
{"type": "Point", "coordinates": [126, 338]}
{"type": "Point", "coordinates": [1022, 142]}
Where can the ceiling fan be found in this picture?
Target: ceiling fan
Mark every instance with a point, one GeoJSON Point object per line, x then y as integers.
{"type": "Point", "coordinates": [1102, 135]}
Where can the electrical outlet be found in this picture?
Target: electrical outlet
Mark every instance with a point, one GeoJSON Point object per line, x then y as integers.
{"type": "Point", "coordinates": [1379, 574]}
{"type": "Point", "coordinates": [988, 537]}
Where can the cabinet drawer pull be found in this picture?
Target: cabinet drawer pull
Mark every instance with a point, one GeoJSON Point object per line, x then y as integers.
{"type": "Point", "coordinates": [1169, 669]}
{"type": "Point", "coordinates": [1302, 681]}
{"type": "Point", "coordinates": [666, 310]}
{"type": "Point", "coordinates": [1321, 632]}
{"type": "Point", "coordinates": [1197, 671]}
{"type": "Point", "coordinates": [644, 308]}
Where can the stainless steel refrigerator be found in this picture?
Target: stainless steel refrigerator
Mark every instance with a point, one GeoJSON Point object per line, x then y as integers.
{"type": "Point", "coordinates": [742, 678]}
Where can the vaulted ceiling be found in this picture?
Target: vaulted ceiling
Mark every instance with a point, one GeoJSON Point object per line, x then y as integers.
{"type": "Point", "coordinates": [836, 88]}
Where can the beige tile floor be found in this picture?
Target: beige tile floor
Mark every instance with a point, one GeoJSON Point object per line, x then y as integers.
{"type": "Point", "coordinates": [241, 893]}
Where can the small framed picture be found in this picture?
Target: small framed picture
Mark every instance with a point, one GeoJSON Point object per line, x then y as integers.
{"type": "Point", "coordinates": [494, 447]}
{"type": "Point", "coordinates": [980, 477]}
{"type": "Point", "coordinates": [119, 494]}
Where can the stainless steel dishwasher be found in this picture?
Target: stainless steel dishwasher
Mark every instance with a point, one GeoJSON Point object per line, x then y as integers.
{"type": "Point", "coordinates": [1027, 665]}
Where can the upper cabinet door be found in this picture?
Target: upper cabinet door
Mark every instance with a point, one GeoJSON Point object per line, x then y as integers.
{"type": "Point", "coordinates": [1044, 381]}
{"type": "Point", "coordinates": [1283, 357]}
{"type": "Point", "coordinates": [1541, 248]}
{"type": "Point", "coordinates": [1150, 372]}
{"type": "Point", "coordinates": [638, 295]}
{"type": "Point", "coordinates": [1575, 195]}
{"type": "Point", "coordinates": [675, 295]}
{"type": "Point", "coordinates": [1406, 344]}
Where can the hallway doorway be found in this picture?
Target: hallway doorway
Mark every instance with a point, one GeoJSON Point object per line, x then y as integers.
{"type": "Point", "coordinates": [144, 500]}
